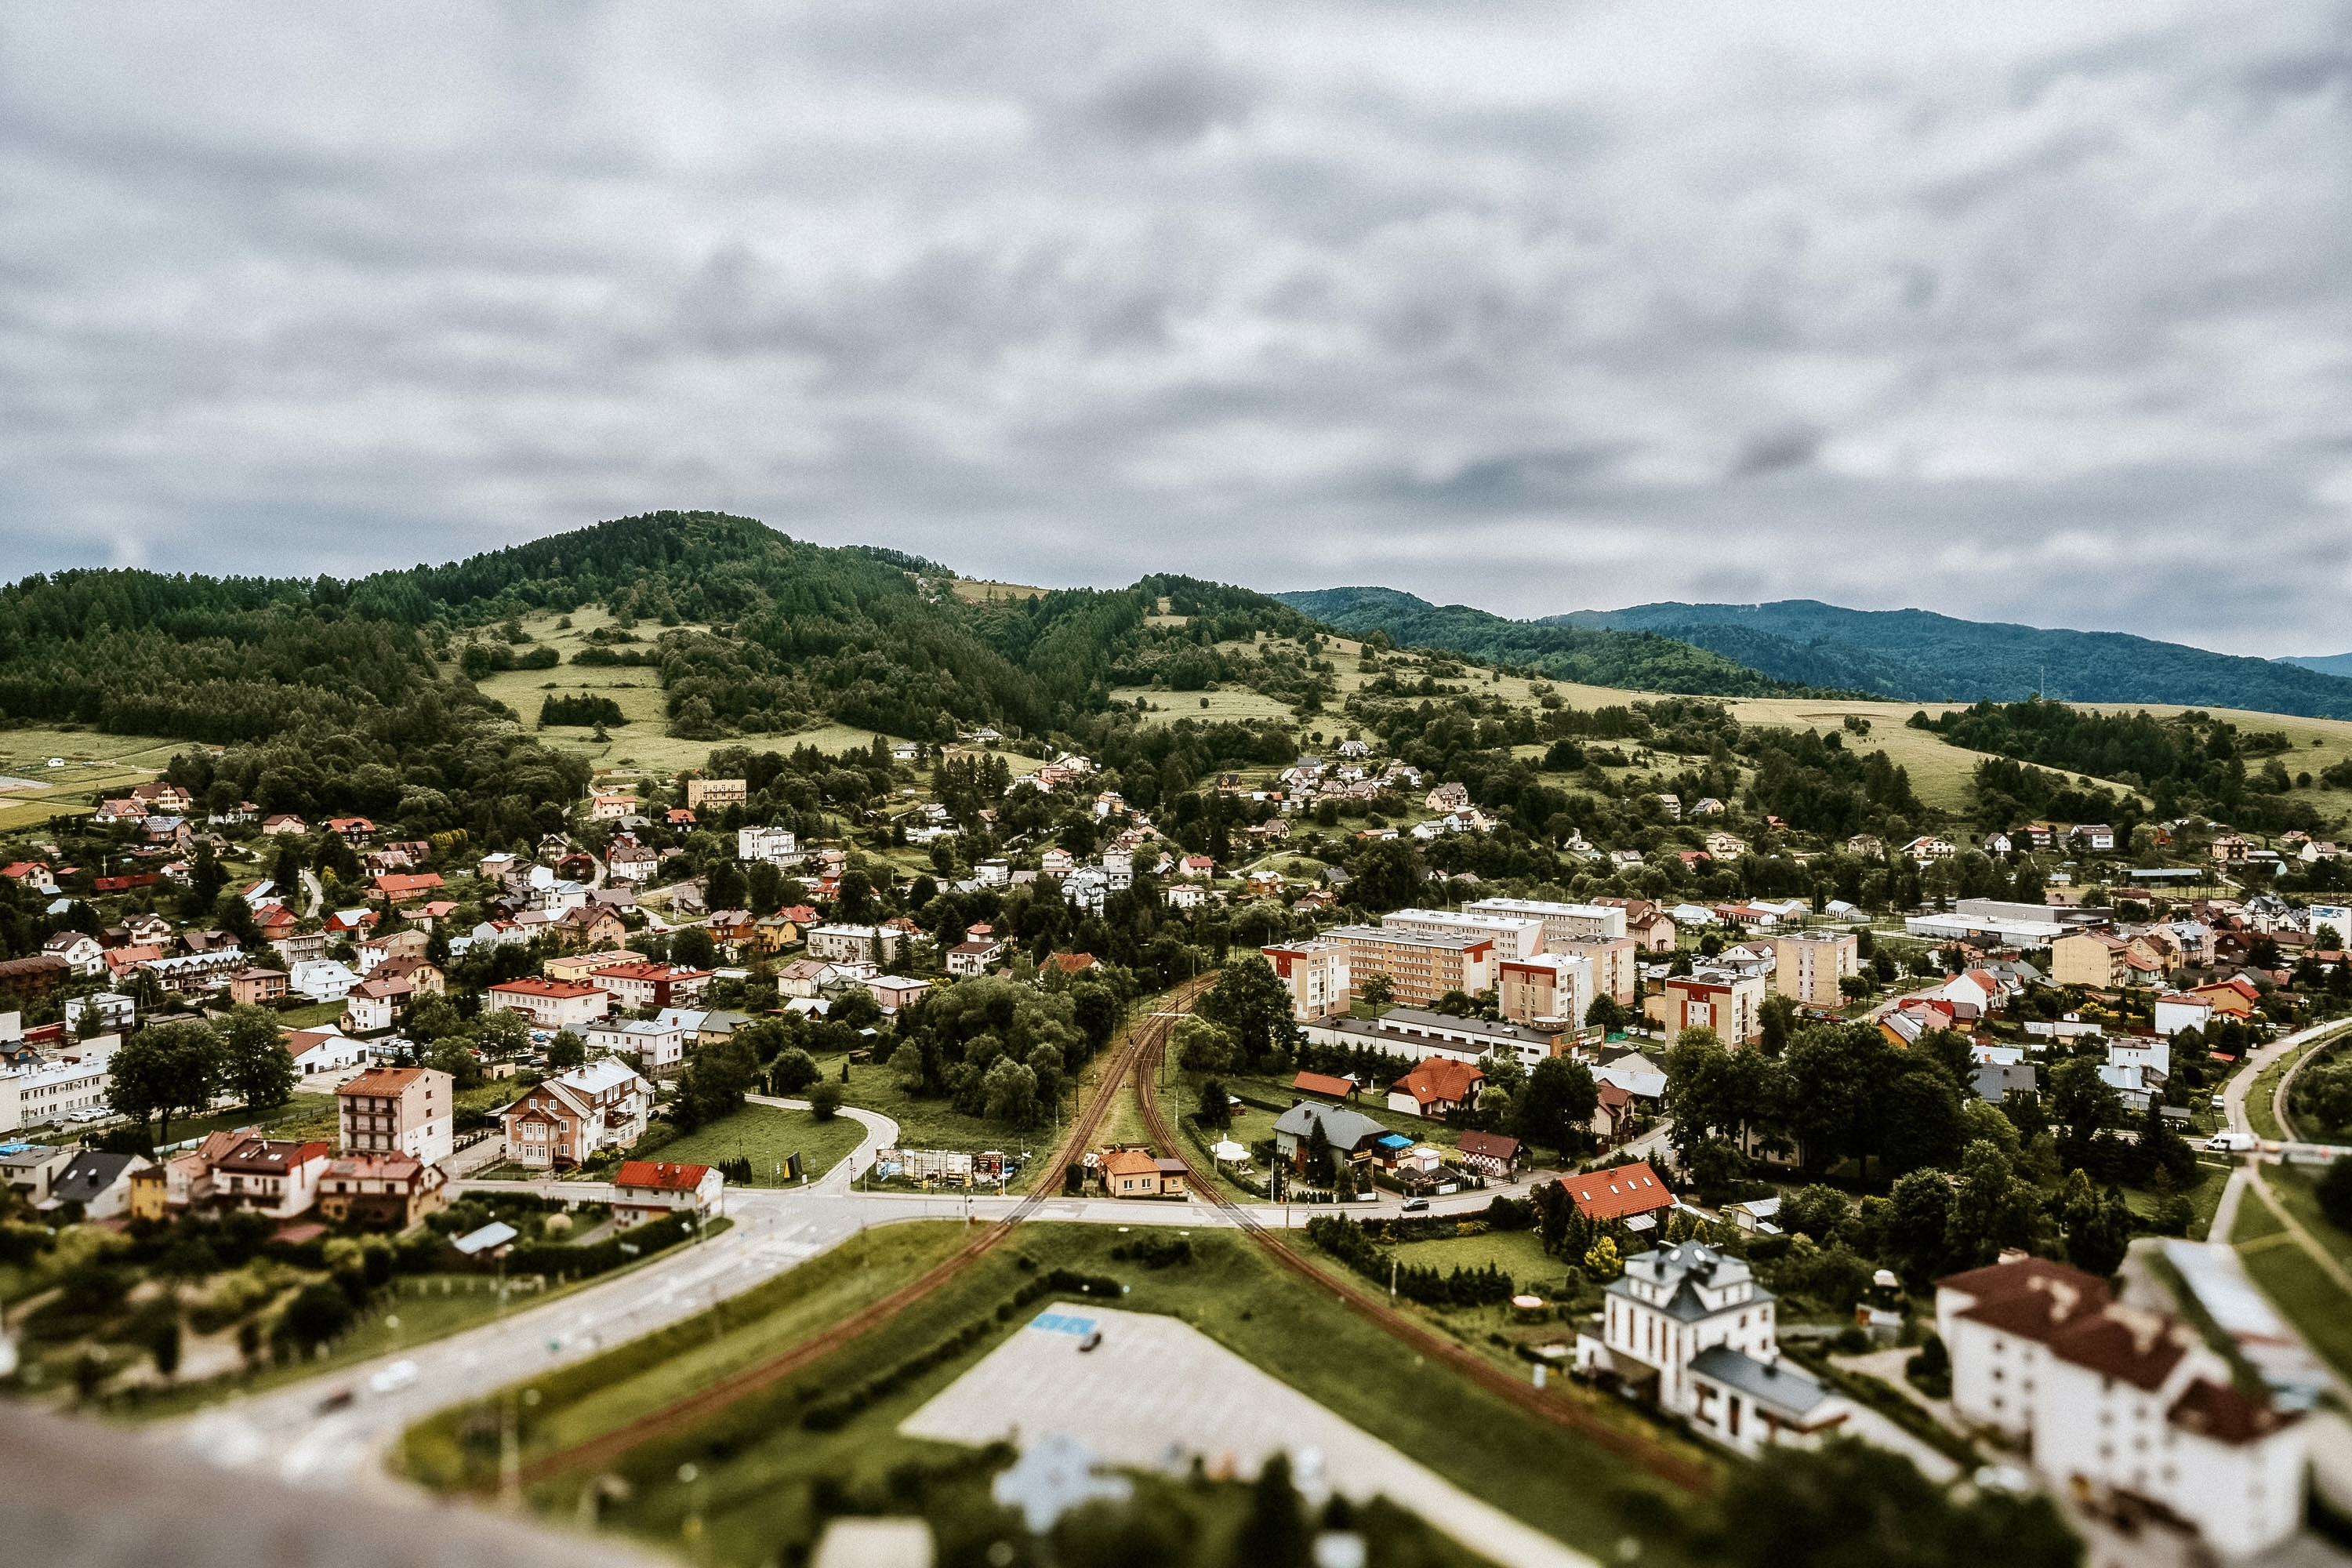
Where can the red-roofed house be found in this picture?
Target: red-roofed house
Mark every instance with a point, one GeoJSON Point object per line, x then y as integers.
{"type": "Point", "coordinates": [399, 885]}
{"type": "Point", "coordinates": [1437, 1086]}
{"type": "Point", "coordinates": [645, 984]}
{"type": "Point", "coordinates": [649, 1189]}
{"type": "Point", "coordinates": [551, 1003]}
{"type": "Point", "coordinates": [2238, 998]}
{"type": "Point", "coordinates": [355, 829]}
{"type": "Point", "coordinates": [1324, 1084]}
{"type": "Point", "coordinates": [1630, 1193]}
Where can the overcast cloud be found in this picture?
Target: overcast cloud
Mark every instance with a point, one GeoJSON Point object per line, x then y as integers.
{"type": "Point", "coordinates": [2034, 312]}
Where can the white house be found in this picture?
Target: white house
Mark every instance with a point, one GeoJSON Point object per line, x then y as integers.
{"type": "Point", "coordinates": [658, 1049]}
{"type": "Point", "coordinates": [81, 950]}
{"type": "Point", "coordinates": [322, 980]}
{"type": "Point", "coordinates": [652, 1189]}
{"type": "Point", "coordinates": [100, 1010]}
{"type": "Point", "coordinates": [2120, 1400]}
{"type": "Point", "coordinates": [549, 1004]}
{"type": "Point", "coordinates": [1689, 1328]}
{"type": "Point", "coordinates": [316, 1051]}
{"type": "Point", "coordinates": [2182, 1011]}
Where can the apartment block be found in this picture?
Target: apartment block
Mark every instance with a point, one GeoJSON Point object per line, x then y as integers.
{"type": "Point", "coordinates": [1549, 986]}
{"type": "Point", "coordinates": [1809, 965]}
{"type": "Point", "coordinates": [1315, 973]}
{"type": "Point", "coordinates": [1731, 1004]}
{"type": "Point", "coordinates": [1616, 965]}
{"type": "Point", "coordinates": [411, 1109]}
{"type": "Point", "coordinates": [1420, 966]}
{"type": "Point", "coordinates": [1515, 936]}
{"type": "Point", "coordinates": [1563, 922]}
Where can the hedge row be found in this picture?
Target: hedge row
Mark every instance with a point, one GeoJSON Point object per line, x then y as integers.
{"type": "Point", "coordinates": [834, 1412]}
{"type": "Point", "coordinates": [553, 1258]}
{"type": "Point", "coordinates": [1348, 1242]}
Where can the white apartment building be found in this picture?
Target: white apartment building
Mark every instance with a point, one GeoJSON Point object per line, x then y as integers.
{"type": "Point", "coordinates": [2120, 1400]}
{"type": "Point", "coordinates": [53, 1090]}
{"type": "Point", "coordinates": [869, 944]}
{"type": "Point", "coordinates": [777, 845]}
{"type": "Point", "coordinates": [1514, 937]}
{"type": "Point", "coordinates": [1689, 1328]}
{"type": "Point", "coordinates": [657, 1048]}
{"type": "Point", "coordinates": [1563, 922]}
{"type": "Point", "coordinates": [1315, 973]}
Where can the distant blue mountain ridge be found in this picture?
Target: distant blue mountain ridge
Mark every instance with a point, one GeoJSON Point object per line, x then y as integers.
{"type": "Point", "coordinates": [1908, 656]}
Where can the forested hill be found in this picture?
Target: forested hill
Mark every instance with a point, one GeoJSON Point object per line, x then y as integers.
{"type": "Point", "coordinates": [1638, 660]}
{"type": "Point", "coordinates": [1917, 656]}
{"type": "Point", "coordinates": [750, 629]}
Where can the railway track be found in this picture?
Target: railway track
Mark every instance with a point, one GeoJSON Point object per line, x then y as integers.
{"type": "Point", "coordinates": [1425, 1340]}
{"type": "Point", "coordinates": [1145, 1042]}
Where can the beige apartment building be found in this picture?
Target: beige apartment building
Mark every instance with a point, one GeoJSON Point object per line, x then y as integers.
{"type": "Point", "coordinates": [1731, 1004]}
{"type": "Point", "coordinates": [1807, 965]}
{"type": "Point", "coordinates": [1555, 987]}
{"type": "Point", "coordinates": [701, 792]}
{"type": "Point", "coordinates": [1420, 966]}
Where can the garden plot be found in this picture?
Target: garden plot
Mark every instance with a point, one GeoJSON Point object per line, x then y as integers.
{"type": "Point", "coordinates": [1156, 1392]}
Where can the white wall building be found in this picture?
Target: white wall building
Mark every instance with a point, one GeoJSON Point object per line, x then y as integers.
{"type": "Point", "coordinates": [1690, 1329]}
{"type": "Point", "coordinates": [322, 980]}
{"type": "Point", "coordinates": [1515, 936]}
{"type": "Point", "coordinates": [658, 1049]}
{"type": "Point", "coordinates": [1561, 923]}
{"type": "Point", "coordinates": [2120, 1400]}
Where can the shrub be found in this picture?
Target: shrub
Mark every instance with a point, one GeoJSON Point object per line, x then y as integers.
{"type": "Point", "coordinates": [2335, 1193]}
{"type": "Point", "coordinates": [316, 1314]}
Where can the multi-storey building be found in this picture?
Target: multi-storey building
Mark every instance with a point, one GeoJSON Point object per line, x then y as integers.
{"type": "Point", "coordinates": [2121, 1401]}
{"type": "Point", "coordinates": [1555, 988]}
{"type": "Point", "coordinates": [1515, 936]}
{"type": "Point", "coordinates": [1315, 973]}
{"type": "Point", "coordinates": [1807, 965]}
{"type": "Point", "coordinates": [551, 1003]}
{"type": "Point", "coordinates": [412, 1110]}
{"type": "Point", "coordinates": [1731, 1004]}
{"type": "Point", "coordinates": [1616, 965]}
{"type": "Point", "coordinates": [1420, 966]}
{"type": "Point", "coordinates": [645, 984]}
{"type": "Point", "coordinates": [705, 793]}
{"type": "Point", "coordinates": [1561, 923]}
{"type": "Point", "coordinates": [564, 1120]}
{"type": "Point", "coordinates": [853, 943]}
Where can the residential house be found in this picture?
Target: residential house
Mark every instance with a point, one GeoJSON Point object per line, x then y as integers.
{"type": "Point", "coordinates": [406, 887]}
{"type": "Point", "coordinates": [1438, 1087]}
{"type": "Point", "coordinates": [1689, 1328]}
{"type": "Point", "coordinates": [252, 988]}
{"type": "Point", "coordinates": [580, 968]}
{"type": "Point", "coordinates": [354, 830]}
{"type": "Point", "coordinates": [1316, 973]}
{"type": "Point", "coordinates": [99, 1182]}
{"type": "Point", "coordinates": [1492, 1154]}
{"type": "Point", "coordinates": [853, 943]}
{"type": "Point", "coordinates": [1647, 923]}
{"type": "Point", "coordinates": [24, 979]}
{"type": "Point", "coordinates": [892, 992]}
{"type": "Point", "coordinates": [974, 957]}
{"type": "Point", "coordinates": [29, 1170]}
{"type": "Point", "coordinates": [2099, 960]}
{"type": "Point", "coordinates": [373, 1007]}
{"type": "Point", "coordinates": [424, 977]}
{"type": "Point", "coordinates": [316, 1051]}
{"type": "Point", "coordinates": [806, 977]}
{"type": "Point", "coordinates": [1349, 1133]}
{"type": "Point", "coordinates": [630, 861]}
{"type": "Point", "coordinates": [411, 1109]}
{"type": "Point", "coordinates": [1134, 1173]}
{"type": "Point", "coordinates": [1930, 848]}
{"type": "Point", "coordinates": [101, 1012]}
{"type": "Point", "coordinates": [645, 984]}
{"type": "Point", "coordinates": [563, 1121]}
{"type": "Point", "coordinates": [649, 1189]}
{"type": "Point", "coordinates": [83, 952]}
{"type": "Point", "coordinates": [2182, 1010]}
{"type": "Point", "coordinates": [1631, 1193]}
{"type": "Point", "coordinates": [2236, 997]}
{"type": "Point", "coordinates": [658, 1049]}
{"type": "Point", "coordinates": [2120, 1402]}
{"type": "Point", "coordinates": [268, 1175]}
{"type": "Point", "coordinates": [385, 1191]}
{"type": "Point", "coordinates": [549, 1004]}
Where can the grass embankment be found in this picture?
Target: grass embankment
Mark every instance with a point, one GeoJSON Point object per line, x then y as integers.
{"type": "Point", "coordinates": [2293, 1279]}
{"type": "Point", "coordinates": [302, 1112]}
{"type": "Point", "coordinates": [765, 1134]}
{"type": "Point", "coordinates": [759, 1478]}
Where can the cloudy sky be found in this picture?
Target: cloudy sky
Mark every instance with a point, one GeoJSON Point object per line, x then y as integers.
{"type": "Point", "coordinates": [2028, 311]}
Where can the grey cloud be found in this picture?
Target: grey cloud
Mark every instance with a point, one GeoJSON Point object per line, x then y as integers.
{"type": "Point", "coordinates": [2036, 313]}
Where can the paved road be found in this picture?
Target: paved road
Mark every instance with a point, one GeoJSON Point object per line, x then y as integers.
{"type": "Point", "coordinates": [2234, 1093]}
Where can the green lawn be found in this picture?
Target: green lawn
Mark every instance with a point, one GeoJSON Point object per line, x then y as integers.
{"type": "Point", "coordinates": [2310, 1299]}
{"type": "Point", "coordinates": [936, 1123]}
{"type": "Point", "coordinates": [2255, 1221]}
{"type": "Point", "coordinates": [765, 1134]}
{"type": "Point", "coordinates": [594, 1396]}
{"type": "Point", "coordinates": [2203, 1198]}
{"type": "Point", "coordinates": [755, 1468]}
{"type": "Point", "coordinates": [301, 1110]}
{"type": "Point", "coordinates": [314, 1015]}
{"type": "Point", "coordinates": [1517, 1253]}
